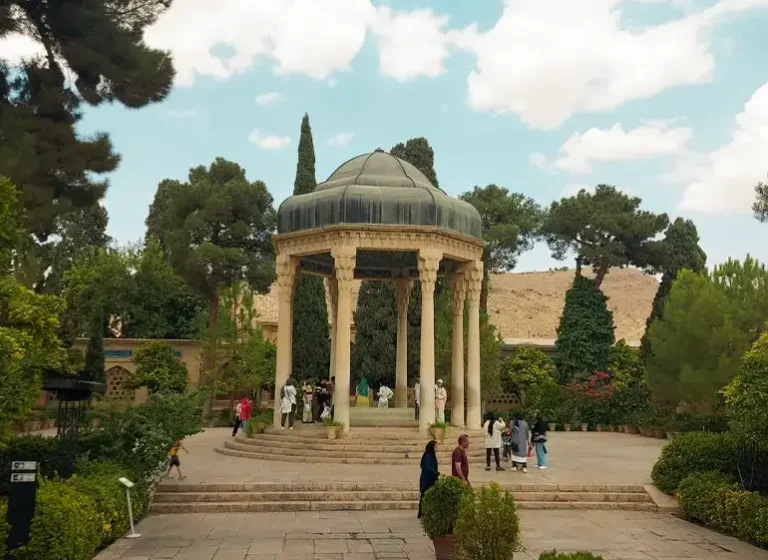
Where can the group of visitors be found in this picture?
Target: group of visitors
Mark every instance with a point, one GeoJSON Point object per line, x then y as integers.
{"type": "Point", "coordinates": [522, 442]}
{"type": "Point", "coordinates": [441, 398]}
{"type": "Point", "coordinates": [363, 394]}
{"type": "Point", "coordinates": [243, 413]}
{"type": "Point", "coordinates": [317, 401]}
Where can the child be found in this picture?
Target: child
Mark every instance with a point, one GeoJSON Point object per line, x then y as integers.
{"type": "Point", "coordinates": [174, 456]}
{"type": "Point", "coordinates": [506, 442]}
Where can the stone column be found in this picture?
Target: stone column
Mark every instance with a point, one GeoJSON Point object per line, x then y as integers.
{"type": "Point", "coordinates": [459, 294]}
{"type": "Point", "coordinates": [402, 298]}
{"type": "Point", "coordinates": [473, 273]}
{"type": "Point", "coordinates": [286, 276]}
{"type": "Point", "coordinates": [429, 261]}
{"type": "Point", "coordinates": [333, 292]}
{"type": "Point", "coordinates": [344, 267]}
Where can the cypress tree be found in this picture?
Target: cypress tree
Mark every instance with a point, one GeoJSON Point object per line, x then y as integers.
{"type": "Point", "coordinates": [585, 334]}
{"type": "Point", "coordinates": [93, 369]}
{"type": "Point", "coordinates": [311, 338]}
{"type": "Point", "coordinates": [681, 251]}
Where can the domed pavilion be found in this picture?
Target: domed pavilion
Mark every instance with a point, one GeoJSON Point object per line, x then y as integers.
{"type": "Point", "coordinates": [377, 217]}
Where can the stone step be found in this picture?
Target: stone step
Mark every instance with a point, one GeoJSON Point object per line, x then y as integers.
{"type": "Point", "coordinates": [341, 449]}
{"type": "Point", "coordinates": [230, 507]}
{"type": "Point", "coordinates": [315, 431]}
{"type": "Point", "coordinates": [402, 486]}
{"type": "Point", "coordinates": [344, 444]}
{"type": "Point", "coordinates": [344, 457]}
{"type": "Point", "coordinates": [378, 496]}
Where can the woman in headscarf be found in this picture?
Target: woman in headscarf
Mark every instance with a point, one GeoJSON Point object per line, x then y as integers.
{"type": "Point", "coordinates": [520, 437]}
{"type": "Point", "coordinates": [429, 472]}
{"type": "Point", "coordinates": [362, 393]}
{"type": "Point", "coordinates": [539, 441]}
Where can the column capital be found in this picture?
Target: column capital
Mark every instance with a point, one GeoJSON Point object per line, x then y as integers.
{"type": "Point", "coordinates": [429, 264]}
{"type": "Point", "coordinates": [344, 266]}
{"type": "Point", "coordinates": [473, 272]}
{"type": "Point", "coordinates": [285, 269]}
{"type": "Point", "coordinates": [458, 292]}
{"type": "Point", "coordinates": [403, 288]}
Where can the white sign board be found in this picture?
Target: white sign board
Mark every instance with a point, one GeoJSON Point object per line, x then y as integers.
{"type": "Point", "coordinates": [24, 466]}
{"type": "Point", "coordinates": [23, 477]}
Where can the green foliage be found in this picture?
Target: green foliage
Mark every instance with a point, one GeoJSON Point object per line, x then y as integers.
{"type": "Point", "coordinates": [760, 206]}
{"type": "Point", "coordinates": [713, 499]}
{"type": "Point", "coordinates": [530, 373]}
{"type": "Point", "coordinates": [11, 225]}
{"type": "Point", "coordinates": [66, 521]}
{"type": "Point", "coordinates": [305, 181]}
{"type": "Point", "coordinates": [625, 365]}
{"type": "Point", "coordinates": [490, 355]}
{"type": "Point", "coordinates": [28, 348]}
{"type": "Point", "coordinates": [374, 352]}
{"type": "Point", "coordinates": [488, 527]}
{"type": "Point", "coordinates": [311, 337]}
{"type": "Point", "coordinates": [554, 555]}
{"type": "Point", "coordinates": [440, 507]}
{"type": "Point", "coordinates": [158, 368]}
{"type": "Point", "coordinates": [511, 224]}
{"type": "Point", "coordinates": [681, 251]}
{"type": "Point", "coordinates": [5, 528]}
{"type": "Point", "coordinates": [420, 154]}
{"type": "Point", "coordinates": [694, 452]}
{"type": "Point", "coordinates": [52, 457]}
{"type": "Point", "coordinates": [140, 436]}
{"type": "Point", "coordinates": [747, 395]}
{"type": "Point", "coordinates": [93, 368]}
{"type": "Point", "coordinates": [708, 324]}
{"type": "Point", "coordinates": [605, 229]}
{"type": "Point", "coordinates": [585, 334]}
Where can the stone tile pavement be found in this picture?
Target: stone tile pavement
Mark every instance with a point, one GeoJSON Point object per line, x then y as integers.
{"type": "Point", "coordinates": [373, 535]}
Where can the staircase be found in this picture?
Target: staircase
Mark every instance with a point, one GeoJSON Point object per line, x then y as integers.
{"type": "Point", "coordinates": [363, 446]}
{"type": "Point", "coordinates": [351, 496]}
{"type": "Point", "coordinates": [382, 417]}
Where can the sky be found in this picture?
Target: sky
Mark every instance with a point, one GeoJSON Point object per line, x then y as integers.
{"type": "Point", "coordinates": [666, 99]}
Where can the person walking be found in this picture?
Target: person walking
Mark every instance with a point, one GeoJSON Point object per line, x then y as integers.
{"type": "Point", "coordinates": [429, 472]}
{"type": "Point", "coordinates": [521, 435]}
{"type": "Point", "coordinates": [417, 398]}
{"type": "Point", "coordinates": [460, 461]}
{"type": "Point", "coordinates": [238, 412]}
{"type": "Point", "coordinates": [539, 441]}
{"type": "Point", "coordinates": [292, 395]}
{"type": "Point", "coordinates": [492, 429]}
{"type": "Point", "coordinates": [173, 455]}
{"type": "Point", "coordinates": [286, 406]}
{"type": "Point", "coordinates": [246, 409]}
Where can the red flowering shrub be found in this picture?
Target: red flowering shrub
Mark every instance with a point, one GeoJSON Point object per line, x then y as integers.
{"type": "Point", "coordinates": [593, 398]}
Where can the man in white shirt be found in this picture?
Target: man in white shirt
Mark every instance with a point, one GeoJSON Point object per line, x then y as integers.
{"type": "Point", "coordinates": [441, 397]}
{"type": "Point", "coordinates": [417, 397]}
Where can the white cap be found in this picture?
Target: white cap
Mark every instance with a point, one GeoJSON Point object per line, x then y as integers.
{"type": "Point", "coordinates": [439, 381]}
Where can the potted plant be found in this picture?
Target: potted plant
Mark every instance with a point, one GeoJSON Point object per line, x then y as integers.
{"type": "Point", "coordinates": [552, 426]}
{"type": "Point", "coordinates": [332, 428]}
{"type": "Point", "coordinates": [584, 426]}
{"type": "Point", "coordinates": [566, 427]}
{"type": "Point", "coordinates": [439, 512]}
{"type": "Point", "coordinates": [487, 527]}
{"type": "Point", "coordinates": [437, 431]}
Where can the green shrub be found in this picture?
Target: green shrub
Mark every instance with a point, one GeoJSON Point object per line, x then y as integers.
{"type": "Point", "coordinates": [691, 453]}
{"type": "Point", "coordinates": [4, 527]}
{"type": "Point", "coordinates": [715, 500]}
{"type": "Point", "coordinates": [66, 524]}
{"type": "Point", "coordinates": [569, 556]}
{"type": "Point", "coordinates": [53, 458]}
{"type": "Point", "coordinates": [747, 395]}
{"type": "Point", "coordinates": [530, 373]}
{"type": "Point", "coordinates": [440, 507]}
{"type": "Point", "coordinates": [158, 369]}
{"type": "Point", "coordinates": [487, 527]}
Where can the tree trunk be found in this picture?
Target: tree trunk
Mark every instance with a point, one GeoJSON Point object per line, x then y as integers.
{"type": "Point", "coordinates": [601, 272]}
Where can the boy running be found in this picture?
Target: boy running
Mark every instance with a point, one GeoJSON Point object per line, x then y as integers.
{"type": "Point", "coordinates": [173, 454]}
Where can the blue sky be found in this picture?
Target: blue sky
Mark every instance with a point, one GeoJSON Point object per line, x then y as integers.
{"type": "Point", "coordinates": [667, 99]}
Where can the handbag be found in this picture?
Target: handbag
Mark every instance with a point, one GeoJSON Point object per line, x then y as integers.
{"type": "Point", "coordinates": [530, 450]}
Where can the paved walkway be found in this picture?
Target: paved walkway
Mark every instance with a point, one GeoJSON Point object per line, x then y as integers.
{"type": "Point", "coordinates": [574, 458]}
{"type": "Point", "coordinates": [374, 535]}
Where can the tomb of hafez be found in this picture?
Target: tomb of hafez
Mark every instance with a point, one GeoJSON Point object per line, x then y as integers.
{"type": "Point", "coordinates": [379, 218]}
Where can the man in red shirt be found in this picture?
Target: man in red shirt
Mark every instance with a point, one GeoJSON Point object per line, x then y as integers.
{"type": "Point", "coordinates": [459, 460]}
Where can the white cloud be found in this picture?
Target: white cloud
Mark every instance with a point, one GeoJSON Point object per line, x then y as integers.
{"type": "Point", "coordinates": [341, 139]}
{"type": "Point", "coordinates": [655, 138]}
{"type": "Point", "coordinates": [723, 181]}
{"type": "Point", "coordinates": [268, 98]}
{"type": "Point", "coordinates": [268, 141]}
{"type": "Point", "coordinates": [16, 47]}
{"type": "Point", "coordinates": [539, 160]}
{"type": "Point", "coordinates": [546, 60]}
{"type": "Point", "coordinates": [300, 36]}
{"type": "Point", "coordinates": [181, 114]}
{"type": "Point", "coordinates": [411, 44]}
{"type": "Point", "coordinates": [573, 189]}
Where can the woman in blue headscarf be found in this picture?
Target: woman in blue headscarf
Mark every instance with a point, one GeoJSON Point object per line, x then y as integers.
{"type": "Point", "coordinates": [429, 472]}
{"type": "Point", "coordinates": [362, 393]}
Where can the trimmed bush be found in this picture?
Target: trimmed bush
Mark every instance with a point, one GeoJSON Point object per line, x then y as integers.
{"type": "Point", "coordinates": [716, 501]}
{"type": "Point", "coordinates": [4, 528]}
{"type": "Point", "coordinates": [692, 453]}
{"type": "Point", "coordinates": [487, 527]}
{"type": "Point", "coordinates": [53, 458]}
{"type": "Point", "coordinates": [569, 556]}
{"type": "Point", "coordinates": [66, 524]}
{"type": "Point", "coordinates": [440, 507]}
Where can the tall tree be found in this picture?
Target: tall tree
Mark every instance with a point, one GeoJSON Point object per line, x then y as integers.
{"type": "Point", "coordinates": [217, 228]}
{"type": "Point", "coordinates": [311, 338]}
{"type": "Point", "coordinates": [585, 333]}
{"type": "Point", "coordinates": [680, 251]}
{"type": "Point", "coordinates": [420, 154]}
{"type": "Point", "coordinates": [760, 207]}
{"type": "Point", "coordinates": [374, 351]}
{"type": "Point", "coordinates": [94, 350]}
{"type": "Point", "coordinates": [511, 224]}
{"type": "Point", "coordinates": [100, 44]}
{"type": "Point", "coordinates": [605, 229]}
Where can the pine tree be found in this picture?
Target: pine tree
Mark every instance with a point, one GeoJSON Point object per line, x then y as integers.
{"type": "Point", "coordinates": [585, 334]}
{"type": "Point", "coordinates": [311, 338]}
{"type": "Point", "coordinates": [94, 351]}
{"type": "Point", "coordinates": [681, 251]}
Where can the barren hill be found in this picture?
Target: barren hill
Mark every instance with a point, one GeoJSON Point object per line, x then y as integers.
{"type": "Point", "coordinates": [528, 305]}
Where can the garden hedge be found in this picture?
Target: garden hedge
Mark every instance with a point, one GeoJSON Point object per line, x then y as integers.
{"type": "Point", "coordinates": [716, 501]}
{"type": "Point", "coordinates": [487, 527]}
{"type": "Point", "coordinates": [691, 453]}
{"type": "Point", "coordinates": [52, 457]}
{"type": "Point", "coordinates": [4, 527]}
